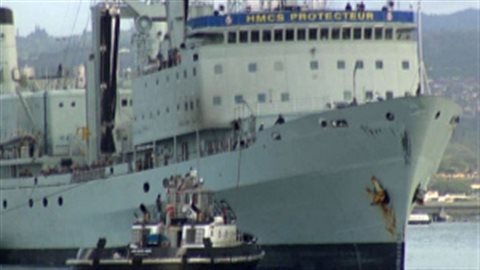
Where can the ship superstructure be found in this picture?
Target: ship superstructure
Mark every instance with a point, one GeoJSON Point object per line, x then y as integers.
{"type": "Point", "coordinates": [320, 109]}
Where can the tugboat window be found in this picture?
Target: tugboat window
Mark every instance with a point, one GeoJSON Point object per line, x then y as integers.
{"type": "Point", "coordinates": [30, 203]}
{"type": "Point", "coordinates": [266, 36]}
{"type": "Point", "coordinates": [255, 36]}
{"type": "Point", "coordinates": [405, 64]}
{"type": "Point", "coordinates": [301, 34]}
{"type": "Point", "coordinates": [379, 64]}
{"type": "Point", "coordinates": [252, 67]}
{"type": "Point", "coordinates": [278, 34]}
{"type": "Point", "coordinates": [285, 97]}
{"type": "Point", "coordinates": [124, 102]}
{"type": "Point", "coordinates": [314, 65]}
{"type": "Point", "coordinates": [340, 64]}
{"type": "Point", "coordinates": [60, 201]}
{"type": "Point", "coordinates": [5, 204]}
{"type": "Point", "coordinates": [312, 34]}
{"type": "Point", "coordinates": [45, 202]}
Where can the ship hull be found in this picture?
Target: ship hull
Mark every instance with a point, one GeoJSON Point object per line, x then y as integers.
{"type": "Point", "coordinates": [301, 186]}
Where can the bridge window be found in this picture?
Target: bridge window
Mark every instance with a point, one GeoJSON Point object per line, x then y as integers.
{"type": "Point", "coordinates": [405, 64]}
{"type": "Point", "coordinates": [314, 65]}
{"type": "Point", "coordinates": [324, 33]}
{"type": "Point", "coordinates": [238, 99]}
{"type": "Point", "coordinates": [357, 33]}
{"type": "Point", "coordinates": [301, 34]}
{"type": "Point", "coordinates": [218, 69]}
{"type": "Point", "coordinates": [336, 33]}
{"type": "Point", "coordinates": [278, 35]}
{"type": "Point", "coordinates": [367, 33]}
{"type": "Point", "coordinates": [232, 37]}
{"type": "Point", "coordinates": [252, 67]}
{"type": "Point", "coordinates": [340, 64]}
{"type": "Point", "coordinates": [312, 34]}
{"type": "Point", "coordinates": [379, 64]}
{"type": "Point", "coordinates": [388, 33]}
{"type": "Point", "coordinates": [255, 36]}
{"type": "Point", "coordinates": [285, 97]}
{"type": "Point", "coordinates": [261, 98]}
{"type": "Point", "coordinates": [289, 35]}
{"type": "Point", "coordinates": [243, 36]}
{"type": "Point", "coordinates": [266, 35]}
{"type": "Point", "coordinates": [378, 33]}
{"type": "Point", "coordinates": [347, 33]}
{"type": "Point", "coordinates": [217, 100]}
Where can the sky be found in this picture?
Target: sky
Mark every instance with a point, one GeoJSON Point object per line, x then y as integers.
{"type": "Point", "coordinates": [66, 17]}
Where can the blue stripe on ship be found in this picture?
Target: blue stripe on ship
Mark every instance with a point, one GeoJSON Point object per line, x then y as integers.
{"type": "Point", "coordinates": [301, 17]}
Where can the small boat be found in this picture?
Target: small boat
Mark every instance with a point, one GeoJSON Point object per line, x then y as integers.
{"type": "Point", "coordinates": [419, 219]}
{"type": "Point", "coordinates": [191, 231]}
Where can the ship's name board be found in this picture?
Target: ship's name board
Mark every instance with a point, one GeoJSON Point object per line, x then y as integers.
{"type": "Point", "coordinates": [309, 17]}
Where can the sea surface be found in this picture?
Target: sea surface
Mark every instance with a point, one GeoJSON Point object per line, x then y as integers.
{"type": "Point", "coordinates": [438, 246]}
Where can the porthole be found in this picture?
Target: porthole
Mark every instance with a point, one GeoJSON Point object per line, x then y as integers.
{"type": "Point", "coordinates": [60, 201]}
{"type": "Point", "coordinates": [437, 115]}
{"type": "Point", "coordinates": [45, 202]}
{"type": "Point", "coordinates": [390, 116]}
{"type": "Point", "coordinates": [30, 203]}
{"type": "Point", "coordinates": [146, 187]}
{"type": "Point", "coordinates": [5, 204]}
{"type": "Point", "coordinates": [323, 124]}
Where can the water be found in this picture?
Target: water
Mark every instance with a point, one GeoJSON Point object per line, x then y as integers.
{"type": "Point", "coordinates": [443, 246]}
{"type": "Point", "coordinates": [438, 246]}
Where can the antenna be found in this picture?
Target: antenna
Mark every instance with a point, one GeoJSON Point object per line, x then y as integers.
{"type": "Point", "coordinates": [421, 66]}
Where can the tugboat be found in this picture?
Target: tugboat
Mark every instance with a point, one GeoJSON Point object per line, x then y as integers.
{"type": "Point", "coordinates": [190, 230]}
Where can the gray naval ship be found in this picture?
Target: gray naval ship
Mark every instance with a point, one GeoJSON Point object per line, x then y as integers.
{"type": "Point", "coordinates": [313, 123]}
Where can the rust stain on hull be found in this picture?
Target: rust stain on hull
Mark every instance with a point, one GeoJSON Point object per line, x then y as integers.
{"type": "Point", "coordinates": [380, 197]}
